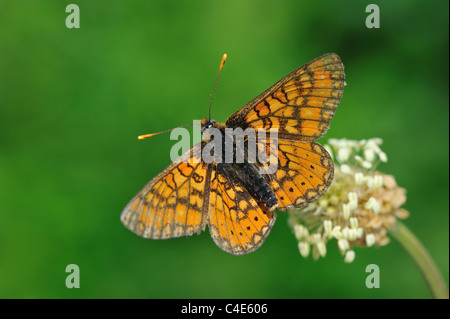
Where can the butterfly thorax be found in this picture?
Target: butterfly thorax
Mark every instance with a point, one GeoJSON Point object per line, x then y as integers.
{"type": "Point", "coordinates": [239, 173]}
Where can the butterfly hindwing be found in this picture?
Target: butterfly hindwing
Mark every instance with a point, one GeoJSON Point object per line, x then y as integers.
{"type": "Point", "coordinates": [304, 172]}
{"type": "Point", "coordinates": [237, 223]}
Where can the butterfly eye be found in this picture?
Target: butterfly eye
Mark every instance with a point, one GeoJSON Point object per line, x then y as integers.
{"type": "Point", "coordinates": [208, 125]}
{"type": "Point", "coordinates": [205, 127]}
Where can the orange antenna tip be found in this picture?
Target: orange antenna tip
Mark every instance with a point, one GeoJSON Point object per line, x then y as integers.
{"type": "Point", "coordinates": [142, 137]}
{"type": "Point", "coordinates": [222, 62]}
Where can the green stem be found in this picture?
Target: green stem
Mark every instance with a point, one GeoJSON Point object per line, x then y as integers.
{"type": "Point", "coordinates": [420, 255]}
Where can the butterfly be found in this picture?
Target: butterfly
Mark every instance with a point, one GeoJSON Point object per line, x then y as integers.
{"type": "Point", "coordinates": [236, 201]}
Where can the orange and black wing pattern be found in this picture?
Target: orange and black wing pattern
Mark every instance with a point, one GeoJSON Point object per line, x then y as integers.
{"type": "Point", "coordinates": [237, 222]}
{"type": "Point", "coordinates": [175, 203]}
{"type": "Point", "coordinates": [304, 172]}
{"type": "Point", "coordinates": [301, 105]}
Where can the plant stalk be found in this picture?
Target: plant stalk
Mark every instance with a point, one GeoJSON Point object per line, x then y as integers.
{"type": "Point", "coordinates": [422, 258]}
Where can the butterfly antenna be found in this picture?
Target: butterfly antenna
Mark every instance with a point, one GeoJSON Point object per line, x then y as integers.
{"type": "Point", "coordinates": [222, 62]}
{"type": "Point", "coordinates": [141, 137]}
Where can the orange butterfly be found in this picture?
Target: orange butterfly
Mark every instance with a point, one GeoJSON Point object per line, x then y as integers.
{"type": "Point", "coordinates": [235, 200]}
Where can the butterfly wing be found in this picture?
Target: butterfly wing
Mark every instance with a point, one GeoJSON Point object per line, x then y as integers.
{"type": "Point", "coordinates": [175, 202]}
{"type": "Point", "coordinates": [301, 105]}
{"type": "Point", "coordinates": [304, 172]}
{"type": "Point", "coordinates": [237, 223]}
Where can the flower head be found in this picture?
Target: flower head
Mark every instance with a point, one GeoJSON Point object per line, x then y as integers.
{"type": "Point", "coordinates": [359, 207]}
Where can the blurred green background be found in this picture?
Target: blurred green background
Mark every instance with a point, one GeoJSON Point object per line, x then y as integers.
{"type": "Point", "coordinates": [72, 102]}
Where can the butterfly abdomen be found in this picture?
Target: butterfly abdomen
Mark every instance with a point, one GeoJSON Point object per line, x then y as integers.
{"type": "Point", "coordinates": [248, 176]}
{"type": "Point", "coordinates": [258, 185]}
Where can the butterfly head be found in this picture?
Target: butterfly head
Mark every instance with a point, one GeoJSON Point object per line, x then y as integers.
{"type": "Point", "coordinates": [209, 124]}
{"type": "Point", "coordinates": [206, 124]}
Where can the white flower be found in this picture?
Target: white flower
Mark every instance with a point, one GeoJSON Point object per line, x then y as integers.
{"type": "Point", "coordinates": [369, 155]}
{"type": "Point", "coordinates": [343, 154]}
{"type": "Point", "coordinates": [358, 208]}
{"type": "Point", "coordinates": [349, 256]}
{"type": "Point", "coordinates": [346, 211]}
{"type": "Point", "coordinates": [346, 169]}
{"type": "Point", "coordinates": [373, 205]}
{"type": "Point", "coordinates": [301, 232]}
{"type": "Point", "coordinates": [322, 248]}
{"type": "Point", "coordinates": [304, 248]}
{"type": "Point", "coordinates": [370, 240]}
{"type": "Point", "coordinates": [352, 200]}
{"type": "Point", "coordinates": [359, 178]}
{"type": "Point", "coordinates": [354, 223]}
{"type": "Point", "coordinates": [377, 181]}
{"type": "Point", "coordinates": [328, 227]}
{"type": "Point", "coordinates": [383, 157]}
{"type": "Point", "coordinates": [343, 245]}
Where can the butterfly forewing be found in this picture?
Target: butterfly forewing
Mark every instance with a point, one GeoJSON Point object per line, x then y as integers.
{"type": "Point", "coordinates": [301, 105]}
